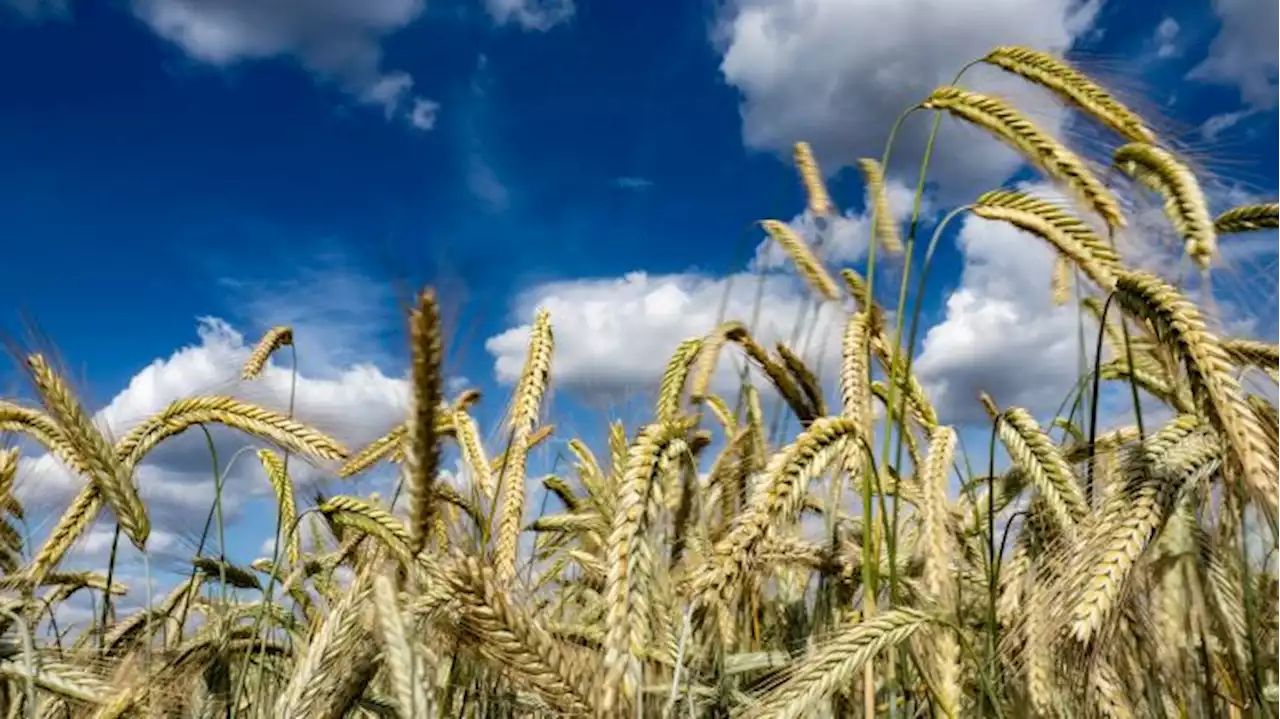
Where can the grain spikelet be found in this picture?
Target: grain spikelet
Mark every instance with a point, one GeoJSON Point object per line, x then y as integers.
{"type": "Point", "coordinates": [806, 263]}
{"type": "Point", "coordinates": [808, 381]}
{"type": "Point", "coordinates": [1184, 203]}
{"type": "Point", "coordinates": [1069, 83]}
{"type": "Point", "coordinates": [534, 379]}
{"type": "Point", "coordinates": [938, 572]}
{"type": "Point", "coordinates": [355, 512]}
{"type": "Point", "coordinates": [886, 227]}
{"type": "Point", "coordinates": [630, 559]}
{"type": "Point", "coordinates": [1209, 373]}
{"type": "Point", "coordinates": [671, 390]}
{"type": "Point", "coordinates": [408, 673]}
{"type": "Point", "coordinates": [1057, 229]}
{"type": "Point", "coordinates": [1033, 453]}
{"type": "Point", "coordinates": [468, 434]}
{"type": "Point", "coordinates": [261, 422]}
{"type": "Point", "coordinates": [777, 500]}
{"type": "Point", "coordinates": [283, 488]}
{"type": "Point", "coordinates": [1061, 280]}
{"type": "Point", "coordinates": [1010, 125]}
{"type": "Point", "coordinates": [815, 189]}
{"type": "Point", "coordinates": [274, 339]}
{"type": "Point", "coordinates": [106, 474]}
{"type": "Point", "coordinates": [834, 663]}
{"type": "Point", "coordinates": [512, 639]}
{"type": "Point", "coordinates": [1248, 218]}
{"type": "Point", "coordinates": [422, 455]}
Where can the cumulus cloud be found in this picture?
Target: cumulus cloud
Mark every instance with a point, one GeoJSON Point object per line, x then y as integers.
{"type": "Point", "coordinates": [1243, 53]}
{"type": "Point", "coordinates": [337, 41]}
{"type": "Point", "coordinates": [613, 336]}
{"type": "Point", "coordinates": [833, 71]}
{"type": "Point", "coordinates": [539, 15]}
{"type": "Point", "coordinates": [1001, 332]}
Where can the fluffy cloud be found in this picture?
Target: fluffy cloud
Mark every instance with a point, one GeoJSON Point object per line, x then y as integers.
{"type": "Point", "coordinates": [1243, 53]}
{"type": "Point", "coordinates": [337, 41]}
{"type": "Point", "coordinates": [614, 336]}
{"type": "Point", "coordinates": [1001, 332]}
{"type": "Point", "coordinates": [833, 72]}
{"type": "Point", "coordinates": [539, 15]}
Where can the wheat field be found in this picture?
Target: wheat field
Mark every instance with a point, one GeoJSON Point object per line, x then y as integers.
{"type": "Point", "coordinates": [700, 565]}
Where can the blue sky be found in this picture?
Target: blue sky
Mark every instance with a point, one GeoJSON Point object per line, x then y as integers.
{"type": "Point", "coordinates": [254, 162]}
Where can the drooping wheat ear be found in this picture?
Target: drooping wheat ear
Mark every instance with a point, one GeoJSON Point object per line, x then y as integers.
{"type": "Point", "coordinates": [1032, 452]}
{"type": "Point", "coordinates": [989, 406]}
{"type": "Point", "coordinates": [1248, 218]}
{"type": "Point", "coordinates": [44, 430]}
{"type": "Point", "coordinates": [1018, 131]}
{"type": "Point", "coordinates": [468, 434]}
{"type": "Point", "coordinates": [1158, 170]}
{"type": "Point", "coordinates": [1213, 387]}
{"type": "Point", "coordinates": [422, 455]}
{"type": "Point", "coordinates": [895, 366]}
{"type": "Point", "coordinates": [811, 177]}
{"type": "Point", "coordinates": [1155, 473]}
{"type": "Point", "coordinates": [628, 619]}
{"type": "Point", "coordinates": [409, 677]}
{"type": "Point", "coordinates": [348, 511]}
{"type": "Point", "coordinates": [709, 356]}
{"type": "Point", "coordinates": [808, 381]}
{"type": "Point", "coordinates": [324, 658]}
{"type": "Point", "coordinates": [1252, 353]}
{"type": "Point", "coordinates": [939, 577]}
{"type": "Point", "coordinates": [466, 399]}
{"type": "Point", "coordinates": [1060, 283]}
{"type": "Point", "coordinates": [777, 500]}
{"type": "Point", "coordinates": [833, 664]}
{"type": "Point", "coordinates": [274, 339]}
{"type": "Point", "coordinates": [671, 390]}
{"type": "Point", "coordinates": [375, 451]}
{"type": "Point", "coordinates": [527, 402]}
{"type": "Point", "coordinates": [857, 287]}
{"type": "Point", "coordinates": [1054, 74]}
{"type": "Point", "coordinates": [512, 640]}
{"type": "Point", "coordinates": [282, 485]}
{"type": "Point", "coordinates": [886, 229]}
{"type": "Point", "coordinates": [252, 419]}
{"type": "Point", "coordinates": [106, 473]}
{"type": "Point", "coordinates": [807, 264]}
{"type": "Point", "coordinates": [1069, 237]}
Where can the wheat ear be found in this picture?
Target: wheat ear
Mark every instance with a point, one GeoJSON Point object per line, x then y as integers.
{"type": "Point", "coordinates": [1017, 130]}
{"type": "Point", "coordinates": [1067, 234]}
{"type": "Point", "coordinates": [1069, 83]}
{"type": "Point", "coordinates": [282, 485]}
{"type": "Point", "coordinates": [806, 263]}
{"type": "Point", "coordinates": [422, 456]}
{"type": "Point", "coordinates": [671, 390]}
{"type": "Point", "coordinates": [1209, 373]}
{"type": "Point", "coordinates": [1184, 203]}
{"type": "Point", "coordinates": [1248, 218]}
{"type": "Point", "coordinates": [811, 177]}
{"type": "Point", "coordinates": [532, 386]}
{"type": "Point", "coordinates": [274, 339]}
{"type": "Point", "coordinates": [630, 559]}
{"type": "Point", "coordinates": [886, 227]}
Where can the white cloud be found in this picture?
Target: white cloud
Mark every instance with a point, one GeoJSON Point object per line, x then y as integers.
{"type": "Point", "coordinates": [539, 15]}
{"type": "Point", "coordinates": [834, 73]}
{"type": "Point", "coordinates": [486, 186]}
{"type": "Point", "coordinates": [1244, 52]}
{"type": "Point", "coordinates": [614, 336]}
{"type": "Point", "coordinates": [1001, 332]}
{"type": "Point", "coordinates": [337, 41]}
{"type": "Point", "coordinates": [1166, 38]}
